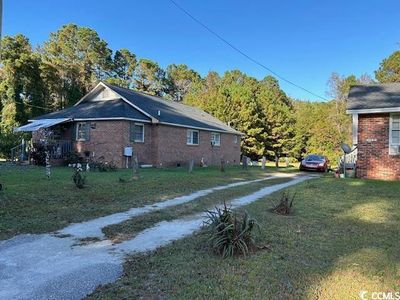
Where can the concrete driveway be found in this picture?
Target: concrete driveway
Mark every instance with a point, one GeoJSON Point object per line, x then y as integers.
{"type": "Point", "coordinates": [52, 266]}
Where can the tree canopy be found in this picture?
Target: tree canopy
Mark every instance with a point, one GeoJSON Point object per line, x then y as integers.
{"type": "Point", "coordinates": [74, 58]}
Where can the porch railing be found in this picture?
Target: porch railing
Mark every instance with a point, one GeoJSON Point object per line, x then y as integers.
{"type": "Point", "coordinates": [351, 160]}
{"type": "Point", "coordinates": [19, 153]}
{"type": "Point", "coordinates": [58, 149]}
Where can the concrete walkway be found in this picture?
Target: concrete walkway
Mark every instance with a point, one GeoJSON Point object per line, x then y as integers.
{"type": "Point", "coordinates": [93, 228]}
{"type": "Point", "coordinates": [50, 267]}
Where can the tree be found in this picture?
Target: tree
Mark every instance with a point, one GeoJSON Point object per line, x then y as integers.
{"type": "Point", "coordinates": [124, 64]}
{"type": "Point", "coordinates": [76, 58]}
{"type": "Point", "coordinates": [205, 93]}
{"type": "Point", "coordinates": [314, 131]}
{"type": "Point", "coordinates": [242, 110]}
{"type": "Point", "coordinates": [278, 119]}
{"type": "Point", "coordinates": [389, 69]}
{"type": "Point", "coordinates": [180, 79]}
{"type": "Point", "coordinates": [149, 77]}
{"type": "Point", "coordinates": [21, 87]}
{"type": "Point", "coordinates": [232, 99]}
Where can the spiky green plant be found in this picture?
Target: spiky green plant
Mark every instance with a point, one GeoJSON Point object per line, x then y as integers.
{"type": "Point", "coordinates": [284, 207]}
{"type": "Point", "coordinates": [230, 234]}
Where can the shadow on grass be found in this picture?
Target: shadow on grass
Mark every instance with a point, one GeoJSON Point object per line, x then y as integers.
{"type": "Point", "coordinates": [331, 248]}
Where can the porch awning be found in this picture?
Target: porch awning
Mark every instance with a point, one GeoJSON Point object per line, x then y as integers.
{"type": "Point", "coordinates": [38, 124]}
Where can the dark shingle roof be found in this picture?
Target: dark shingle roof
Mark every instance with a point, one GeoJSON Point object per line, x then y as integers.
{"type": "Point", "coordinates": [98, 109]}
{"type": "Point", "coordinates": [373, 96]}
{"type": "Point", "coordinates": [167, 112]}
{"type": "Point", "coordinates": [172, 112]}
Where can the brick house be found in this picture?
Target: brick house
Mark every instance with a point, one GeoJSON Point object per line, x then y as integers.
{"type": "Point", "coordinates": [111, 121]}
{"type": "Point", "coordinates": [375, 110]}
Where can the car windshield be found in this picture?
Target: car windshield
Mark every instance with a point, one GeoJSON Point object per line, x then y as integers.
{"type": "Point", "coordinates": [315, 158]}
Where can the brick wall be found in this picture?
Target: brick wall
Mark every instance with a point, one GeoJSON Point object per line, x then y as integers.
{"type": "Point", "coordinates": [373, 159]}
{"type": "Point", "coordinates": [109, 138]}
{"type": "Point", "coordinates": [172, 147]}
{"type": "Point", "coordinates": [163, 145]}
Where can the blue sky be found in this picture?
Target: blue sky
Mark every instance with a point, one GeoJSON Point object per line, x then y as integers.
{"type": "Point", "coordinates": [302, 40]}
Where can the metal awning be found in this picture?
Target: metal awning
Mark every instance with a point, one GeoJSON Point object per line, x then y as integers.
{"type": "Point", "coordinates": [38, 124]}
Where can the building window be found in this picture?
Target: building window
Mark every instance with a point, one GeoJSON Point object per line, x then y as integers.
{"type": "Point", "coordinates": [235, 139]}
{"type": "Point", "coordinates": [215, 139]}
{"type": "Point", "coordinates": [137, 132]}
{"type": "Point", "coordinates": [82, 131]}
{"type": "Point", "coordinates": [395, 130]}
{"type": "Point", "coordinates": [192, 137]}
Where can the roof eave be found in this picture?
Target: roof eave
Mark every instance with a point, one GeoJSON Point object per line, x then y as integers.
{"type": "Point", "coordinates": [373, 110]}
{"type": "Point", "coordinates": [203, 128]}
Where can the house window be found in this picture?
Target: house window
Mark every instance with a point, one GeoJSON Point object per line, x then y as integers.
{"type": "Point", "coordinates": [137, 132]}
{"type": "Point", "coordinates": [82, 131]}
{"type": "Point", "coordinates": [235, 139]}
{"type": "Point", "coordinates": [192, 137]}
{"type": "Point", "coordinates": [395, 130]}
{"type": "Point", "coordinates": [215, 139]}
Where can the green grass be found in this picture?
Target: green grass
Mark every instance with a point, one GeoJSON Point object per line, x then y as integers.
{"type": "Point", "coordinates": [30, 203]}
{"type": "Point", "coordinates": [342, 238]}
{"type": "Point", "coordinates": [129, 228]}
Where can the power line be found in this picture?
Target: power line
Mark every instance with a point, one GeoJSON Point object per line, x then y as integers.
{"type": "Point", "coordinates": [32, 105]}
{"type": "Point", "coordinates": [243, 53]}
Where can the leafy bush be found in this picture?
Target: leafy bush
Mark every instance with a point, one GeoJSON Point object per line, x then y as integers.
{"type": "Point", "coordinates": [72, 157]}
{"type": "Point", "coordinates": [284, 207]}
{"type": "Point", "coordinates": [78, 179]}
{"type": "Point", "coordinates": [230, 233]}
{"type": "Point", "coordinates": [103, 166]}
{"type": "Point", "coordinates": [38, 155]}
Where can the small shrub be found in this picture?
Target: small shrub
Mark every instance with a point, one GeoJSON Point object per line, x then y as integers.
{"type": "Point", "coordinates": [78, 179]}
{"type": "Point", "coordinates": [38, 155]}
{"type": "Point", "coordinates": [72, 157]}
{"type": "Point", "coordinates": [230, 234]}
{"type": "Point", "coordinates": [284, 207]}
{"type": "Point", "coordinates": [103, 166]}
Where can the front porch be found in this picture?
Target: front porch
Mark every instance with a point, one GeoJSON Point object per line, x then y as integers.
{"type": "Point", "coordinates": [34, 151]}
{"type": "Point", "coordinates": [50, 137]}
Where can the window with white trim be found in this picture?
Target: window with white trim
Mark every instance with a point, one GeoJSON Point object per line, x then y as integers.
{"type": "Point", "coordinates": [192, 137]}
{"type": "Point", "coordinates": [395, 130]}
{"type": "Point", "coordinates": [215, 139]}
{"type": "Point", "coordinates": [394, 134]}
{"type": "Point", "coordinates": [235, 139]}
{"type": "Point", "coordinates": [137, 132]}
{"type": "Point", "coordinates": [82, 131]}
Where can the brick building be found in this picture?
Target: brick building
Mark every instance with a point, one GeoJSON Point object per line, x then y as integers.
{"type": "Point", "coordinates": [110, 121]}
{"type": "Point", "coordinates": [376, 129]}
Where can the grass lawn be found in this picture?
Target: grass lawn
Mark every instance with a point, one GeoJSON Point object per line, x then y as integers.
{"type": "Point", "coordinates": [30, 203]}
{"type": "Point", "coordinates": [343, 238]}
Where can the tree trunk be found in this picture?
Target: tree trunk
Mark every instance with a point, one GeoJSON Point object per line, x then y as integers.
{"type": "Point", "coordinates": [276, 161]}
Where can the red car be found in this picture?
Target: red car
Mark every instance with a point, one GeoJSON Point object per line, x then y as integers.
{"type": "Point", "coordinates": [314, 163]}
